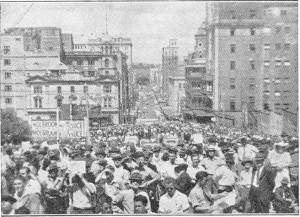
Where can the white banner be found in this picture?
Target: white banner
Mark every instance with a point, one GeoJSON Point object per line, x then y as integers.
{"type": "Point", "coordinates": [66, 129]}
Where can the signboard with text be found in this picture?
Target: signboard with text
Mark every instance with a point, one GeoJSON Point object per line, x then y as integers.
{"type": "Point", "coordinates": [48, 129]}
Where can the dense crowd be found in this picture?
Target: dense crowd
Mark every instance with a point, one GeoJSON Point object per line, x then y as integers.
{"type": "Point", "coordinates": [171, 168]}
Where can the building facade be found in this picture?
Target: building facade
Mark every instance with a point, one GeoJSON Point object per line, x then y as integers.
{"type": "Point", "coordinates": [199, 81]}
{"type": "Point", "coordinates": [122, 44]}
{"type": "Point", "coordinates": [21, 59]}
{"type": "Point", "coordinates": [177, 90]}
{"type": "Point", "coordinates": [169, 63]}
{"type": "Point", "coordinates": [252, 51]}
{"type": "Point", "coordinates": [39, 74]}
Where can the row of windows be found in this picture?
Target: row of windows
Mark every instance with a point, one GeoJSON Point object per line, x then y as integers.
{"type": "Point", "coordinates": [90, 62]}
{"type": "Point", "coordinates": [252, 32]}
{"type": "Point", "coordinates": [277, 106]}
{"type": "Point", "coordinates": [253, 14]}
{"type": "Point", "coordinates": [38, 89]}
{"type": "Point", "coordinates": [232, 102]}
{"type": "Point", "coordinates": [252, 47]}
{"type": "Point", "coordinates": [252, 83]}
{"type": "Point", "coordinates": [267, 63]}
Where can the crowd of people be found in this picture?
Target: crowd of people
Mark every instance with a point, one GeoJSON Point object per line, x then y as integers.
{"type": "Point", "coordinates": [132, 169]}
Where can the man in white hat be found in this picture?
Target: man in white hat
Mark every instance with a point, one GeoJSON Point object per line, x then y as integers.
{"type": "Point", "coordinates": [211, 161]}
{"type": "Point", "coordinates": [246, 150]}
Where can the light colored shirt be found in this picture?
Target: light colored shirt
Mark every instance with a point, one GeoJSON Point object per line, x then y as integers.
{"type": "Point", "coordinates": [193, 170]}
{"type": "Point", "coordinates": [256, 176]}
{"type": "Point", "coordinates": [173, 205]}
{"type": "Point", "coordinates": [197, 198]}
{"type": "Point", "coordinates": [226, 176]}
{"type": "Point", "coordinates": [280, 160]}
{"type": "Point", "coordinates": [81, 199]}
{"type": "Point", "coordinates": [247, 152]}
{"type": "Point", "coordinates": [126, 198]}
{"type": "Point", "coordinates": [121, 175]}
{"type": "Point", "coordinates": [32, 187]}
{"type": "Point", "coordinates": [246, 177]}
{"type": "Point", "coordinates": [167, 169]}
{"type": "Point", "coordinates": [211, 164]}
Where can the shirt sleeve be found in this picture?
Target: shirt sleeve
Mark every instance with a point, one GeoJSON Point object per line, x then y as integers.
{"type": "Point", "coordinates": [194, 200]}
{"type": "Point", "coordinates": [185, 202]}
{"type": "Point", "coordinates": [161, 208]}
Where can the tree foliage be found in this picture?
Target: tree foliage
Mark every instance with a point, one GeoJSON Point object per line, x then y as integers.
{"type": "Point", "coordinates": [13, 128]}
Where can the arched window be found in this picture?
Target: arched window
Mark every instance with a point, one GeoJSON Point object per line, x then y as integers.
{"type": "Point", "coordinates": [106, 62]}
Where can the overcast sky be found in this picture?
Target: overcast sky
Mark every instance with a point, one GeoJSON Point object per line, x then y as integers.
{"type": "Point", "coordinates": [148, 24]}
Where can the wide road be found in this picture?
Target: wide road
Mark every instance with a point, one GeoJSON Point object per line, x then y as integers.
{"type": "Point", "coordinates": [147, 107]}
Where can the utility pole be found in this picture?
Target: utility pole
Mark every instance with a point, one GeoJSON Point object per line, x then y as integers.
{"type": "Point", "coordinates": [87, 114]}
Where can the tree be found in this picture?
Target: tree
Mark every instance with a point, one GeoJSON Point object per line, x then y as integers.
{"type": "Point", "coordinates": [13, 128]}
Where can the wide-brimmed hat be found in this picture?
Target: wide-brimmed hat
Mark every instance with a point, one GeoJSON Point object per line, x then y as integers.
{"type": "Point", "coordinates": [136, 176]}
{"type": "Point", "coordinates": [285, 180]}
{"type": "Point", "coordinates": [211, 148]}
{"type": "Point", "coordinates": [247, 160]}
{"type": "Point", "coordinates": [260, 157]}
{"type": "Point", "coordinates": [281, 144]}
{"type": "Point", "coordinates": [8, 198]}
{"type": "Point", "coordinates": [117, 157]}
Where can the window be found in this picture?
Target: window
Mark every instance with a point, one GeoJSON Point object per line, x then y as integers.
{"type": "Point", "coordinates": [7, 62]}
{"type": "Point", "coordinates": [277, 63]}
{"type": "Point", "coordinates": [72, 89]}
{"type": "Point", "coordinates": [85, 89]}
{"type": "Point", "coordinates": [277, 46]}
{"type": "Point", "coordinates": [232, 65]}
{"type": "Point", "coordinates": [277, 93]}
{"type": "Point", "coordinates": [251, 101]}
{"type": "Point", "coordinates": [7, 88]}
{"type": "Point", "coordinates": [266, 106]}
{"type": "Point", "coordinates": [232, 83]}
{"type": "Point", "coordinates": [6, 49]}
{"type": "Point", "coordinates": [107, 102]}
{"type": "Point", "coordinates": [106, 72]}
{"type": "Point", "coordinates": [232, 14]}
{"type": "Point", "coordinates": [209, 87]}
{"type": "Point", "coordinates": [283, 12]}
{"type": "Point", "coordinates": [232, 104]}
{"type": "Point", "coordinates": [267, 80]}
{"type": "Point", "coordinates": [252, 64]}
{"type": "Point", "coordinates": [7, 75]}
{"type": "Point", "coordinates": [277, 81]}
{"type": "Point", "coordinates": [287, 63]}
{"type": "Point", "coordinates": [252, 14]}
{"type": "Point", "coordinates": [252, 47]}
{"type": "Point", "coordinates": [232, 48]}
{"type": "Point", "coordinates": [91, 73]}
{"type": "Point", "coordinates": [267, 46]}
{"type": "Point", "coordinates": [59, 89]}
{"type": "Point", "coordinates": [107, 88]}
{"type": "Point", "coordinates": [37, 89]}
{"type": "Point", "coordinates": [266, 93]}
{"type": "Point", "coordinates": [91, 62]}
{"type": "Point", "coordinates": [38, 102]}
{"type": "Point", "coordinates": [252, 31]}
{"type": "Point", "coordinates": [59, 102]}
{"type": "Point", "coordinates": [287, 46]}
{"type": "Point", "coordinates": [8, 100]}
{"type": "Point", "coordinates": [106, 62]}
{"type": "Point", "coordinates": [287, 29]}
{"type": "Point", "coordinates": [252, 84]}
{"type": "Point", "coordinates": [267, 63]}
{"type": "Point", "coordinates": [18, 39]}
{"type": "Point", "coordinates": [232, 32]}
{"type": "Point", "coordinates": [278, 29]}
{"type": "Point", "coordinates": [179, 85]}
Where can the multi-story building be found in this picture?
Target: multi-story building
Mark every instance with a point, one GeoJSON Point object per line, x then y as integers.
{"type": "Point", "coordinates": [177, 89]}
{"type": "Point", "coordinates": [67, 41]}
{"type": "Point", "coordinates": [169, 63]}
{"type": "Point", "coordinates": [19, 60]}
{"type": "Point", "coordinates": [122, 44]}
{"type": "Point", "coordinates": [36, 77]}
{"type": "Point", "coordinates": [253, 56]}
{"type": "Point", "coordinates": [199, 81]}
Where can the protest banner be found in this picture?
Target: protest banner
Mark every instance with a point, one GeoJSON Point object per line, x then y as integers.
{"type": "Point", "coordinates": [42, 130]}
{"type": "Point", "coordinates": [77, 166]}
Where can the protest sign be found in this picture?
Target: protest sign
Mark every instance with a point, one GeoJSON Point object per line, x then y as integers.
{"type": "Point", "coordinates": [77, 166]}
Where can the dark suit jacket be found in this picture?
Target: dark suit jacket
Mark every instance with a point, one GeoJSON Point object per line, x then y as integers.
{"type": "Point", "coordinates": [184, 183]}
{"type": "Point", "coordinates": [266, 184]}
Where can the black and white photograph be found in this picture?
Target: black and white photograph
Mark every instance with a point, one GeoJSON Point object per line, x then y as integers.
{"type": "Point", "coordinates": [149, 108]}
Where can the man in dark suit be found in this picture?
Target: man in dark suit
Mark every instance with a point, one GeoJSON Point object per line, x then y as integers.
{"type": "Point", "coordinates": [261, 192]}
{"type": "Point", "coordinates": [183, 181]}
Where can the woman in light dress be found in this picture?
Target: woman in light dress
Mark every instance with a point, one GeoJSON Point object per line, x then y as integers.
{"type": "Point", "coordinates": [281, 160]}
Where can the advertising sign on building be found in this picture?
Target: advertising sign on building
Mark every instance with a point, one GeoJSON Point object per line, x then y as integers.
{"type": "Point", "coordinates": [48, 129]}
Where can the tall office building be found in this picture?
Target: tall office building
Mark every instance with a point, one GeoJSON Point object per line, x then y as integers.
{"type": "Point", "coordinates": [169, 63]}
{"type": "Point", "coordinates": [252, 52]}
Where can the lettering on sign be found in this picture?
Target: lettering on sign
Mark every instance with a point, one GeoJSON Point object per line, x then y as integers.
{"type": "Point", "coordinates": [66, 129]}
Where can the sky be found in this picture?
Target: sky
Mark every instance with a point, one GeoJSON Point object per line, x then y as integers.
{"type": "Point", "coordinates": [149, 24]}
